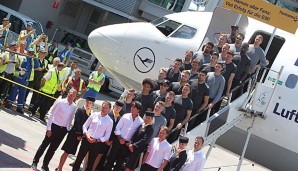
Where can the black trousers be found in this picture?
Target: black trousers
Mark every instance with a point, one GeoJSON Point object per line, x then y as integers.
{"type": "Point", "coordinates": [36, 86]}
{"type": "Point", "coordinates": [44, 103]}
{"type": "Point", "coordinates": [6, 85]}
{"type": "Point", "coordinates": [147, 167]}
{"type": "Point", "coordinates": [133, 159]}
{"type": "Point", "coordinates": [93, 148]}
{"type": "Point", "coordinates": [118, 154]}
{"type": "Point", "coordinates": [54, 141]}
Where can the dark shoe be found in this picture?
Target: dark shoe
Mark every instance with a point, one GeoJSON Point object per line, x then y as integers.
{"type": "Point", "coordinates": [42, 119]}
{"type": "Point", "coordinates": [7, 106]}
{"type": "Point", "coordinates": [34, 166]}
{"type": "Point", "coordinates": [56, 169]}
{"type": "Point", "coordinates": [32, 112]}
{"type": "Point", "coordinates": [20, 110]}
{"type": "Point", "coordinates": [45, 168]}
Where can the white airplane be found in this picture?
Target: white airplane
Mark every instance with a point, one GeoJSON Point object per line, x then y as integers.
{"type": "Point", "coordinates": [134, 51]}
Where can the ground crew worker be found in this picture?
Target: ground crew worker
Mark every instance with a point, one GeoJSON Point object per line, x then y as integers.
{"type": "Point", "coordinates": [96, 80]}
{"type": "Point", "coordinates": [4, 31]}
{"type": "Point", "coordinates": [38, 75]}
{"type": "Point", "coordinates": [53, 51]}
{"type": "Point", "coordinates": [10, 61]}
{"type": "Point", "coordinates": [36, 44]}
{"type": "Point", "coordinates": [50, 83]}
{"type": "Point", "coordinates": [22, 77]}
{"type": "Point", "coordinates": [26, 37]}
{"type": "Point", "coordinates": [65, 54]}
{"type": "Point", "coordinates": [75, 82]}
{"type": "Point", "coordinates": [69, 71]}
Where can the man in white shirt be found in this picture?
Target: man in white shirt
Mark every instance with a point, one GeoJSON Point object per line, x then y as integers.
{"type": "Point", "coordinates": [60, 116]}
{"type": "Point", "coordinates": [126, 127]}
{"type": "Point", "coordinates": [158, 154]}
{"type": "Point", "coordinates": [97, 130]}
{"type": "Point", "coordinates": [195, 158]}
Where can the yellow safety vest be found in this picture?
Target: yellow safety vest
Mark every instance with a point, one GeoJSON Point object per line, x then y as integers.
{"type": "Point", "coordinates": [52, 57]}
{"type": "Point", "coordinates": [16, 73]}
{"type": "Point", "coordinates": [51, 85]}
{"type": "Point", "coordinates": [96, 78]}
{"type": "Point", "coordinates": [6, 57]}
{"type": "Point", "coordinates": [4, 66]}
{"type": "Point", "coordinates": [25, 32]}
{"type": "Point", "coordinates": [32, 71]}
{"type": "Point", "coordinates": [35, 50]}
{"type": "Point", "coordinates": [65, 54]}
{"type": "Point", "coordinates": [81, 84]}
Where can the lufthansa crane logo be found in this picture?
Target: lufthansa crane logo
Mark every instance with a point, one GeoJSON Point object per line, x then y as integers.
{"type": "Point", "coordinates": [144, 60]}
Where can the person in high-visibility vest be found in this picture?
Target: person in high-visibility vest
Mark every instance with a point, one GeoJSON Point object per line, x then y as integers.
{"type": "Point", "coordinates": [96, 80]}
{"type": "Point", "coordinates": [53, 51]}
{"type": "Point", "coordinates": [26, 37]}
{"type": "Point", "coordinates": [56, 61]}
{"type": "Point", "coordinates": [21, 77]}
{"type": "Point", "coordinates": [4, 31]}
{"type": "Point", "coordinates": [49, 86]}
{"type": "Point", "coordinates": [10, 61]}
{"type": "Point", "coordinates": [40, 42]}
{"type": "Point", "coordinates": [38, 75]}
{"type": "Point", "coordinates": [74, 82]}
{"type": "Point", "coordinates": [65, 54]}
{"type": "Point", "coordinates": [69, 71]}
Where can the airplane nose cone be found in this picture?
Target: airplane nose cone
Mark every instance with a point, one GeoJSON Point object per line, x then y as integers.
{"type": "Point", "coordinates": [105, 42]}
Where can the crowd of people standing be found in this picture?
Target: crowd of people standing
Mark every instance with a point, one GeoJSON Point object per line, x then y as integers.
{"type": "Point", "coordinates": [146, 122]}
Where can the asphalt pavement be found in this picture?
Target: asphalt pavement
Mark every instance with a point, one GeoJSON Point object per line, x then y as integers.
{"type": "Point", "coordinates": [21, 135]}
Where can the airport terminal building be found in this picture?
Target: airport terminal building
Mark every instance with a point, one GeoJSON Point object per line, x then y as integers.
{"type": "Point", "coordinates": [83, 16]}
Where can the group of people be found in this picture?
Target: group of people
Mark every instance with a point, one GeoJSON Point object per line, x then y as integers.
{"type": "Point", "coordinates": [34, 64]}
{"type": "Point", "coordinates": [111, 141]}
{"type": "Point", "coordinates": [147, 121]}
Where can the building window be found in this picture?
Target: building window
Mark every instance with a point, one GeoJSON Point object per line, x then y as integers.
{"type": "Point", "coordinates": [291, 81]}
{"type": "Point", "coordinates": [172, 5]}
{"type": "Point", "coordinates": [95, 16]}
{"type": "Point", "coordinates": [71, 7]}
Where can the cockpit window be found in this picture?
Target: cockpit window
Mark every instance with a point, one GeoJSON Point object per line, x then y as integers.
{"type": "Point", "coordinates": [168, 27]}
{"type": "Point", "coordinates": [158, 21]}
{"type": "Point", "coordinates": [185, 32]}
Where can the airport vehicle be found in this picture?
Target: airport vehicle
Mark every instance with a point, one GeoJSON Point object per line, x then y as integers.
{"type": "Point", "coordinates": [18, 22]}
{"type": "Point", "coordinates": [86, 60]}
{"type": "Point", "coordinates": [134, 51]}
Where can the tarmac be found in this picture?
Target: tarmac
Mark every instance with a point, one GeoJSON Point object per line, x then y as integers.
{"type": "Point", "coordinates": [21, 135]}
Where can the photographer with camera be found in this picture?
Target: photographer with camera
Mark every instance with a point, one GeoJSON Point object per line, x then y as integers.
{"type": "Point", "coordinates": [38, 75]}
